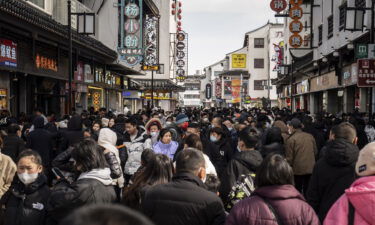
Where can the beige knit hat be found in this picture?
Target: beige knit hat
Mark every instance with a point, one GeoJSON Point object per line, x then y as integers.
{"type": "Point", "coordinates": [365, 165]}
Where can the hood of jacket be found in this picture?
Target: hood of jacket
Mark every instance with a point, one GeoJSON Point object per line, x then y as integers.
{"type": "Point", "coordinates": [107, 137]}
{"type": "Point", "coordinates": [75, 123]}
{"type": "Point", "coordinates": [38, 122]}
{"type": "Point", "coordinates": [341, 152]}
{"type": "Point", "coordinates": [280, 124]}
{"type": "Point", "coordinates": [250, 159]}
{"type": "Point", "coordinates": [361, 195]}
{"type": "Point", "coordinates": [102, 175]}
{"type": "Point", "coordinates": [153, 121]}
{"type": "Point", "coordinates": [279, 192]}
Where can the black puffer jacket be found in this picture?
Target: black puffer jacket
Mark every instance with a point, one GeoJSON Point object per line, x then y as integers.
{"type": "Point", "coordinates": [332, 174]}
{"type": "Point", "coordinates": [66, 197]}
{"type": "Point", "coordinates": [26, 205]}
{"type": "Point", "coordinates": [73, 134]}
{"type": "Point", "coordinates": [184, 201]}
{"type": "Point", "coordinates": [13, 146]}
{"type": "Point", "coordinates": [243, 163]}
{"type": "Point", "coordinates": [273, 148]}
{"type": "Point", "coordinates": [221, 155]}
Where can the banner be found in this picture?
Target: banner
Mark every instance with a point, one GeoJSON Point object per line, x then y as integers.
{"type": "Point", "coordinates": [236, 91]}
{"type": "Point", "coordinates": [238, 61]}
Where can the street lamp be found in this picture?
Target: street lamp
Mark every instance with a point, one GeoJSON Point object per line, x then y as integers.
{"type": "Point", "coordinates": [86, 26]}
{"type": "Point", "coordinates": [284, 69]}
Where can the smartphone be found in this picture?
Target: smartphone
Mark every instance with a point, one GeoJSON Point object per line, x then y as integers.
{"type": "Point", "coordinates": [58, 173]}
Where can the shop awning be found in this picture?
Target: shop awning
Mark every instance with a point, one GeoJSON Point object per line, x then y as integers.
{"type": "Point", "coordinates": [159, 84]}
{"type": "Point", "coordinates": [124, 70]}
{"type": "Point", "coordinates": [244, 73]}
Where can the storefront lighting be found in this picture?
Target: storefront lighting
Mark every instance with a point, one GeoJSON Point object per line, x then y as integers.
{"type": "Point", "coordinates": [354, 18]}
{"type": "Point", "coordinates": [336, 54]}
{"type": "Point", "coordinates": [350, 46]}
{"type": "Point", "coordinates": [86, 23]}
{"type": "Point", "coordinates": [315, 64]}
{"type": "Point", "coordinates": [284, 69]}
{"type": "Point", "coordinates": [324, 59]}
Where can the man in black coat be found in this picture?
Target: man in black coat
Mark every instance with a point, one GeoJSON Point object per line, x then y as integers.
{"type": "Point", "coordinates": [184, 201]}
{"type": "Point", "coordinates": [13, 144]}
{"type": "Point", "coordinates": [335, 172]}
{"type": "Point", "coordinates": [244, 162]}
{"type": "Point", "coordinates": [40, 140]}
{"type": "Point", "coordinates": [73, 135]}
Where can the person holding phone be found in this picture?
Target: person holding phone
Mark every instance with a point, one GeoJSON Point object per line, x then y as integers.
{"type": "Point", "coordinates": [25, 201]}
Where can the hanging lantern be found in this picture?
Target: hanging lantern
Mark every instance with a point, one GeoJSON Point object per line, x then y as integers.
{"type": "Point", "coordinates": [179, 29]}
{"type": "Point", "coordinates": [173, 5]}
{"type": "Point", "coordinates": [179, 17]}
{"type": "Point", "coordinates": [179, 4]}
{"type": "Point", "coordinates": [179, 23]}
{"type": "Point", "coordinates": [173, 12]}
{"type": "Point", "coordinates": [179, 11]}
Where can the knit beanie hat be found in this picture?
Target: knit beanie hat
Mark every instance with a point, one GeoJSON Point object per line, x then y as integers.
{"type": "Point", "coordinates": [365, 165]}
{"type": "Point", "coordinates": [181, 118]}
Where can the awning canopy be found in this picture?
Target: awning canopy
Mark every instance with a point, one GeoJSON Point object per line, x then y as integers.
{"type": "Point", "coordinates": [123, 69]}
{"type": "Point", "coordinates": [159, 84]}
{"type": "Point", "coordinates": [244, 73]}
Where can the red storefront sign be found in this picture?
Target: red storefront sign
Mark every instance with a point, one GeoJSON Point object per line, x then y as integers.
{"type": "Point", "coordinates": [366, 73]}
{"type": "Point", "coordinates": [278, 5]}
{"type": "Point", "coordinates": [8, 53]}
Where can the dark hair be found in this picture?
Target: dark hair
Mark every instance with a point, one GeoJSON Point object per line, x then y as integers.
{"type": "Point", "coordinates": [194, 141]}
{"type": "Point", "coordinates": [194, 125]}
{"type": "Point", "coordinates": [163, 132]}
{"type": "Point", "coordinates": [189, 160]}
{"type": "Point", "coordinates": [132, 121]}
{"type": "Point", "coordinates": [228, 119]}
{"type": "Point", "coordinates": [158, 171]}
{"type": "Point", "coordinates": [13, 128]}
{"type": "Point", "coordinates": [147, 156]}
{"type": "Point", "coordinates": [105, 215]}
{"type": "Point", "coordinates": [217, 130]}
{"type": "Point", "coordinates": [35, 157]}
{"type": "Point", "coordinates": [273, 135]}
{"type": "Point", "coordinates": [89, 156]}
{"type": "Point", "coordinates": [344, 130]}
{"type": "Point", "coordinates": [212, 183]}
{"type": "Point", "coordinates": [274, 170]}
{"type": "Point", "coordinates": [249, 137]}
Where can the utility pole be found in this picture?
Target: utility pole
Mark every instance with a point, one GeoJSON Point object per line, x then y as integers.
{"type": "Point", "coordinates": [70, 105]}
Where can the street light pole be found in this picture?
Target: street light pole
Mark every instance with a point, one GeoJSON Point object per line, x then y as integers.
{"type": "Point", "coordinates": [70, 55]}
{"type": "Point", "coordinates": [152, 89]}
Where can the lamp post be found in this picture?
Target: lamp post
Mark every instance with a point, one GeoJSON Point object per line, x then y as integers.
{"type": "Point", "coordinates": [86, 26]}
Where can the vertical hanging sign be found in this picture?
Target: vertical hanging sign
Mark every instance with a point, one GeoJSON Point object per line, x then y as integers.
{"type": "Point", "coordinates": [151, 41]}
{"type": "Point", "coordinates": [295, 26]}
{"type": "Point", "coordinates": [131, 32]}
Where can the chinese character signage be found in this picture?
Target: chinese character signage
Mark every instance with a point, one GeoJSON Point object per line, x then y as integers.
{"type": "Point", "coordinates": [181, 56]}
{"type": "Point", "coordinates": [208, 91]}
{"type": "Point", "coordinates": [361, 51]}
{"type": "Point", "coordinates": [278, 5]}
{"type": "Point", "coordinates": [366, 73]}
{"type": "Point", "coordinates": [131, 33]}
{"type": "Point", "coordinates": [238, 61]}
{"type": "Point", "coordinates": [295, 26]}
{"type": "Point", "coordinates": [45, 62]}
{"type": "Point", "coordinates": [8, 53]}
{"type": "Point", "coordinates": [158, 95]}
{"type": "Point", "coordinates": [151, 41]}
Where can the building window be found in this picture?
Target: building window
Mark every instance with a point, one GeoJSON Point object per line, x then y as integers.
{"type": "Point", "coordinates": [342, 17]}
{"type": "Point", "coordinates": [320, 33]}
{"type": "Point", "coordinates": [258, 42]}
{"type": "Point", "coordinates": [192, 96]}
{"type": "Point", "coordinates": [360, 3]}
{"type": "Point", "coordinates": [330, 26]}
{"type": "Point", "coordinates": [39, 3]}
{"type": "Point", "coordinates": [260, 85]}
{"type": "Point", "coordinates": [258, 63]}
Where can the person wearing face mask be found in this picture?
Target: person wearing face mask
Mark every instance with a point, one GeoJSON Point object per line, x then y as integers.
{"type": "Point", "coordinates": [166, 145]}
{"type": "Point", "coordinates": [184, 200]}
{"type": "Point", "coordinates": [228, 122]}
{"type": "Point", "coordinates": [224, 148]}
{"type": "Point", "coordinates": [153, 128]}
{"type": "Point", "coordinates": [93, 186]}
{"type": "Point", "coordinates": [179, 128]}
{"type": "Point", "coordinates": [25, 201]}
{"type": "Point", "coordinates": [245, 161]}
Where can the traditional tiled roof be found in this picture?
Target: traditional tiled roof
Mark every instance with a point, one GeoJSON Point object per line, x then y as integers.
{"type": "Point", "coordinates": [31, 15]}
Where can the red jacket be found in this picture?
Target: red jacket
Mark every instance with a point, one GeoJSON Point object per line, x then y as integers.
{"type": "Point", "coordinates": [288, 203]}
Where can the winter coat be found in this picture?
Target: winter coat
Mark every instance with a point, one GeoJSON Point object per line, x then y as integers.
{"type": "Point", "coordinates": [26, 205]}
{"type": "Point", "coordinates": [107, 139]}
{"type": "Point", "coordinates": [287, 202]}
{"type": "Point", "coordinates": [73, 134]}
{"type": "Point", "coordinates": [13, 146]}
{"type": "Point", "coordinates": [361, 195]}
{"type": "Point", "coordinates": [284, 129]}
{"type": "Point", "coordinates": [166, 149]}
{"type": "Point", "coordinates": [224, 154]}
{"type": "Point", "coordinates": [134, 150]}
{"type": "Point", "coordinates": [184, 201]}
{"type": "Point", "coordinates": [300, 151]}
{"type": "Point", "coordinates": [40, 140]}
{"type": "Point", "coordinates": [272, 149]}
{"type": "Point", "coordinates": [7, 170]}
{"type": "Point", "coordinates": [332, 175]}
{"type": "Point", "coordinates": [318, 136]}
{"type": "Point", "coordinates": [94, 187]}
{"type": "Point", "coordinates": [243, 163]}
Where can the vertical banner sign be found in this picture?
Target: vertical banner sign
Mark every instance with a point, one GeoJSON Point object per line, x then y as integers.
{"type": "Point", "coordinates": [366, 73]}
{"type": "Point", "coordinates": [181, 57]}
{"type": "Point", "coordinates": [295, 26]}
{"type": "Point", "coordinates": [236, 91]}
{"type": "Point", "coordinates": [278, 5]}
{"type": "Point", "coordinates": [131, 43]}
{"type": "Point", "coordinates": [151, 40]}
{"type": "Point", "coordinates": [238, 61]}
{"type": "Point", "coordinates": [218, 87]}
{"type": "Point", "coordinates": [8, 53]}
{"type": "Point", "coordinates": [208, 91]}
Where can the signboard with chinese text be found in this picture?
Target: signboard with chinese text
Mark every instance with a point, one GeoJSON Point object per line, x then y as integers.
{"type": "Point", "coordinates": [181, 57]}
{"type": "Point", "coordinates": [361, 51]}
{"type": "Point", "coordinates": [295, 26]}
{"type": "Point", "coordinates": [8, 53]}
{"type": "Point", "coordinates": [366, 73]}
{"type": "Point", "coordinates": [238, 61]}
{"type": "Point", "coordinates": [158, 95]}
{"type": "Point", "coordinates": [3, 98]}
{"type": "Point", "coordinates": [278, 5]}
{"type": "Point", "coordinates": [45, 62]}
{"type": "Point", "coordinates": [208, 91]}
{"type": "Point", "coordinates": [151, 40]}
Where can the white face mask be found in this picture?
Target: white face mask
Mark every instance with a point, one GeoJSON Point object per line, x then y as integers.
{"type": "Point", "coordinates": [27, 178]}
{"type": "Point", "coordinates": [168, 123]}
{"type": "Point", "coordinates": [238, 149]}
{"type": "Point", "coordinates": [153, 134]}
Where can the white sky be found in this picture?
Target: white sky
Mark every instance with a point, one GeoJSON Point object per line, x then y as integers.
{"type": "Point", "coordinates": [217, 27]}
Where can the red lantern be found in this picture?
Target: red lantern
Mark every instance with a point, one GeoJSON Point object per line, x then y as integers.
{"type": "Point", "coordinates": [179, 28]}
{"type": "Point", "coordinates": [173, 12]}
{"type": "Point", "coordinates": [179, 23]}
{"type": "Point", "coordinates": [179, 11]}
{"type": "Point", "coordinates": [173, 5]}
{"type": "Point", "coordinates": [179, 4]}
{"type": "Point", "coordinates": [179, 17]}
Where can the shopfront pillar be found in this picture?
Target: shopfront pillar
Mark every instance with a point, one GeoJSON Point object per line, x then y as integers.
{"type": "Point", "coordinates": [363, 100]}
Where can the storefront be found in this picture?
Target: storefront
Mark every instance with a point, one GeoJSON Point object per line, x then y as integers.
{"type": "Point", "coordinates": [329, 99]}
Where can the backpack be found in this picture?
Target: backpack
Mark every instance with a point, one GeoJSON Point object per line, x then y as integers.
{"type": "Point", "coordinates": [242, 189]}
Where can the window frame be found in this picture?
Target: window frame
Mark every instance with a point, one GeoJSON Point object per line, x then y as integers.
{"type": "Point", "coordinates": [257, 45]}
{"type": "Point", "coordinates": [260, 60]}
{"type": "Point", "coordinates": [330, 26]}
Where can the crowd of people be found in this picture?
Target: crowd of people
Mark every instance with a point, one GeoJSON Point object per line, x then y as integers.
{"type": "Point", "coordinates": [210, 166]}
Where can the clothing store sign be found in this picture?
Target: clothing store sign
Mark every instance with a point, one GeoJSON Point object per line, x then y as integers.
{"type": "Point", "coordinates": [8, 53]}
{"type": "Point", "coordinates": [366, 73]}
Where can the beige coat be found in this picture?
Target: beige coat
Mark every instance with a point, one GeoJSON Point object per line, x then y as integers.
{"type": "Point", "coordinates": [7, 171]}
{"type": "Point", "coordinates": [300, 150]}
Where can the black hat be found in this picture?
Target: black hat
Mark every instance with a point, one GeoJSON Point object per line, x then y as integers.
{"type": "Point", "coordinates": [295, 123]}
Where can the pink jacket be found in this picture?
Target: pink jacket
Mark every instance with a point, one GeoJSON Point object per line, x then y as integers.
{"type": "Point", "coordinates": [362, 196]}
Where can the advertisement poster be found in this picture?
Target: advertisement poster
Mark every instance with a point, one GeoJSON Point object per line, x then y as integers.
{"type": "Point", "coordinates": [236, 91]}
{"type": "Point", "coordinates": [239, 61]}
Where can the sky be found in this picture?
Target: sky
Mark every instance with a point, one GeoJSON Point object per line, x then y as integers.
{"type": "Point", "coordinates": [217, 27]}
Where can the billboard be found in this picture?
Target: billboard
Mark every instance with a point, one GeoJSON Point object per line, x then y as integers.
{"type": "Point", "coordinates": [238, 61]}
